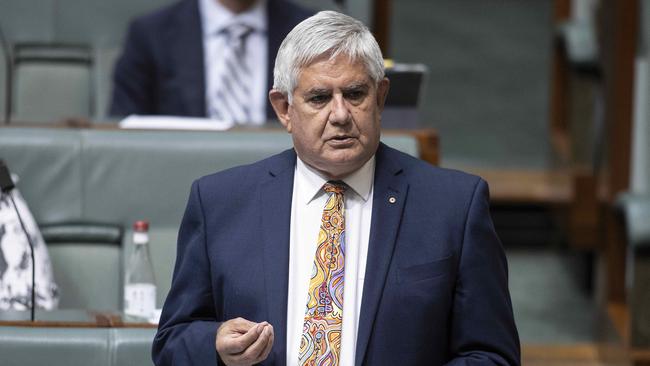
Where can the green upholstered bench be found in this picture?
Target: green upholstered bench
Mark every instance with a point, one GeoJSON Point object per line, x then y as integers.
{"type": "Point", "coordinates": [36, 346]}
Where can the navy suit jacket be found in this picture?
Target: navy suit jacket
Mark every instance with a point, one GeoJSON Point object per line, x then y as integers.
{"type": "Point", "coordinates": [436, 287]}
{"type": "Point", "coordinates": [161, 70]}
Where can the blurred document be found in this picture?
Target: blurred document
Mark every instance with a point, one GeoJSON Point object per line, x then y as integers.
{"type": "Point", "coordinates": [173, 123]}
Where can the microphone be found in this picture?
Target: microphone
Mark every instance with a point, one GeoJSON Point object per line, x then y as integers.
{"type": "Point", "coordinates": [6, 185]}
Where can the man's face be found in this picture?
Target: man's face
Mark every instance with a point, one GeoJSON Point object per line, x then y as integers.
{"type": "Point", "coordinates": [334, 118]}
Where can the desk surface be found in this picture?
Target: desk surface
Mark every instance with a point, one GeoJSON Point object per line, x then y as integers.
{"type": "Point", "coordinates": [78, 318]}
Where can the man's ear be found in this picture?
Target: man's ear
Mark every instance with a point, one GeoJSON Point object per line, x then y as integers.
{"type": "Point", "coordinates": [382, 92]}
{"type": "Point", "coordinates": [280, 104]}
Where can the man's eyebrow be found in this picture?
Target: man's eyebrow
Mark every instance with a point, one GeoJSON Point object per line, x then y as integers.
{"type": "Point", "coordinates": [361, 86]}
{"type": "Point", "coordinates": [317, 91]}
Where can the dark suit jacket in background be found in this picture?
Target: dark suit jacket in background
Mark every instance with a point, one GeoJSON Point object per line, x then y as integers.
{"type": "Point", "coordinates": [161, 70]}
{"type": "Point", "coordinates": [436, 287]}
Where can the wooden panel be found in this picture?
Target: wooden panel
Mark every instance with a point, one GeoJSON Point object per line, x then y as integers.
{"type": "Point", "coordinates": [579, 354]}
{"type": "Point", "coordinates": [558, 124]}
{"type": "Point", "coordinates": [429, 145]}
{"type": "Point", "coordinates": [381, 25]}
{"type": "Point", "coordinates": [527, 186]}
{"type": "Point", "coordinates": [619, 38]}
{"type": "Point", "coordinates": [427, 140]}
{"type": "Point", "coordinates": [620, 317]}
{"type": "Point", "coordinates": [561, 10]}
{"type": "Point", "coordinates": [584, 229]}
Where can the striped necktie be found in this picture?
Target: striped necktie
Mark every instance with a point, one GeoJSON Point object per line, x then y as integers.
{"type": "Point", "coordinates": [232, 95]}
{"type": "Point", "coordinates": [321, 335]}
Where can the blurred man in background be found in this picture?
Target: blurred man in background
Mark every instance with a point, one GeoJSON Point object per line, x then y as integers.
{"type": "Point", "coordinates": [203, 58]}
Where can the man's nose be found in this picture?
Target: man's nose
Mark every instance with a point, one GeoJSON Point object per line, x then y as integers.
{"type": "Point", "coordinates": [340, 113]}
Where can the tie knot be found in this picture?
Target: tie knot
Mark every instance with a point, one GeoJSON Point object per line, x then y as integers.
{"type": "Point", "coordinates": [236, 32]}
{"type": "Point", "coordinates": [334, 187]}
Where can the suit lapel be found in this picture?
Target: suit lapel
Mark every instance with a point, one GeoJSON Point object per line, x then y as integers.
{"type": "Point", "coordinates": [390, 190]}
{"type": "Point", "coordinates": [275, 196]}
{"type": "Point", "coordinates": [185, 39]}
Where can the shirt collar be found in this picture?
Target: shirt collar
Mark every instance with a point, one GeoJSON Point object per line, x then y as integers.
{"type": "Point", "coordinates": [359, 181]}
{"type": "Point", "coordinates": [216, 17]}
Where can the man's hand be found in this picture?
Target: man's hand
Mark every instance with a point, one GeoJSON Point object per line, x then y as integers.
{"type": "Point", "coordinates": [242, 343]}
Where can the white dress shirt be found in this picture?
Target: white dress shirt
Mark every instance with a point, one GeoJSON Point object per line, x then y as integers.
{"type": "Point", "coordinates": [215, 17]}
{"type": "Point", "coordinates": [307, 205]}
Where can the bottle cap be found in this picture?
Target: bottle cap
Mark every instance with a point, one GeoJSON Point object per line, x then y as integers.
{"type": "Point", "coordinates": [141, 225]}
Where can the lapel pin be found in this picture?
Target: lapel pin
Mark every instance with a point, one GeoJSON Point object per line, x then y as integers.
{"type": "Point", "coordinates": [392, 199]}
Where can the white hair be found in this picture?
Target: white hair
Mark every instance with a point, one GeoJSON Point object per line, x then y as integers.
{"type": "Point", "coordinates": [326, 33]}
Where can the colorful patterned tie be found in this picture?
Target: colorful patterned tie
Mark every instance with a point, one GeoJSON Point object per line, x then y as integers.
{"type": "Point", "coordinates": [321, 334]}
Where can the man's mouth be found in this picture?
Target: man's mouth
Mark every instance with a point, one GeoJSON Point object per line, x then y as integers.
{"type": "Point", "coordinates": [341, 140]}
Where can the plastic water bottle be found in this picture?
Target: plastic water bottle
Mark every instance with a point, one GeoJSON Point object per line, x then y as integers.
{"type": "Point", "coordinates": [140, 285]}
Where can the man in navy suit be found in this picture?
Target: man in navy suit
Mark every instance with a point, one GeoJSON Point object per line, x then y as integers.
{"type": "Point", "coordinates": [169, 54]}
{"type": "Point", "coordinates": [425, 276]}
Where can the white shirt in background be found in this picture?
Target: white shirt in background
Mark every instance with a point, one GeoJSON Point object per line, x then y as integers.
{"type": "Point", "coordinates": [215, 17]}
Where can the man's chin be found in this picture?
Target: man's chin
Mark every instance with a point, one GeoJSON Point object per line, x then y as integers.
{"type": "Point", "coordinates": [342, 167]}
